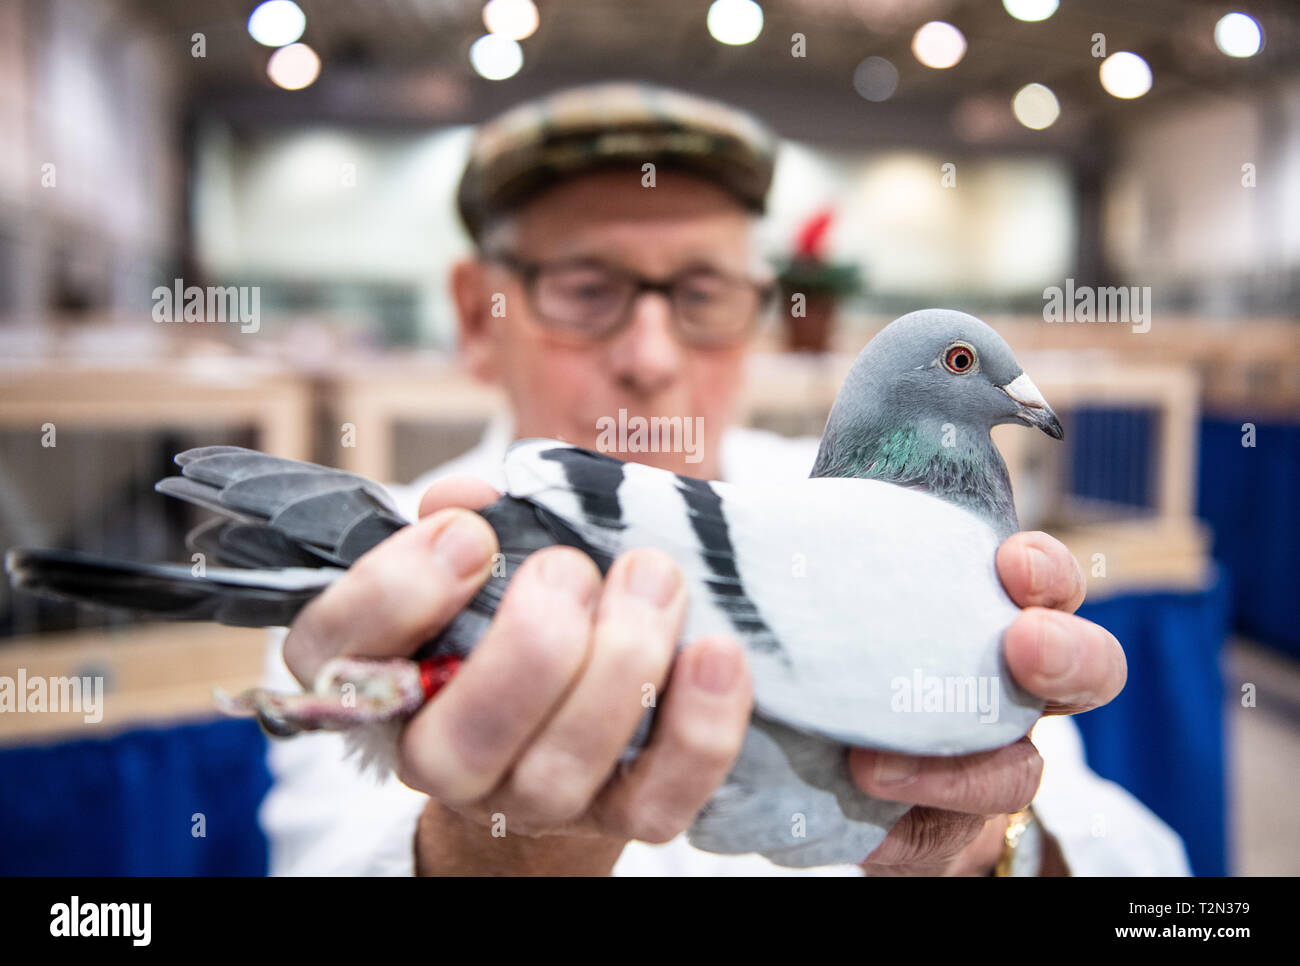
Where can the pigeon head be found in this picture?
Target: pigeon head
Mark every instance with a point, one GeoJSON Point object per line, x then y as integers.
{"type": "Point", "coordinates": [953, 367]}
{"type": "Point", "coordinates": [917, 406]}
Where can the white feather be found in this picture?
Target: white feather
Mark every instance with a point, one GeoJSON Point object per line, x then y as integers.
{"type": "Point", "coordinates": [874, 591]}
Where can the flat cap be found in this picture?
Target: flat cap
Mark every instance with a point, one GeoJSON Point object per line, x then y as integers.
{"type": "Point", "coordinates": [542, 142]}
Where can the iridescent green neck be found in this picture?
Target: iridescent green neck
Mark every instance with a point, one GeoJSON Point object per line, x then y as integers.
{"type": "Point", "coordinates": [958, 464]}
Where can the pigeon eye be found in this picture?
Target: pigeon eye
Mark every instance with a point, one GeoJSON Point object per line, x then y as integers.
{"type": "Point", "coordinates": [959, 358]}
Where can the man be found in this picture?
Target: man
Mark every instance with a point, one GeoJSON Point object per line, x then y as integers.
{"type": "Point", "coordinates": [636, 288]}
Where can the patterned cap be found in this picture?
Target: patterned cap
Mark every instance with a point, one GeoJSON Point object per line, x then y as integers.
{"type": "Point", "coordinates": [542, 142]}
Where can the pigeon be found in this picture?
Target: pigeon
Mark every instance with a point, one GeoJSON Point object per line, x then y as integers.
{"type": "Point", "coordinates": [866, 596]}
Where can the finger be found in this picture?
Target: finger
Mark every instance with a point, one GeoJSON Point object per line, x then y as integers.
{"type": "Point", "coordinates": [1038, 571]}
{"type": "Point", "coordinates": [982, 855]}
{"type": "Point", "coordinates": [463, 491]}
{"type": "Point", "coordinates": [1074, 664]}
{"type": "Point", "coordinates": [975, 859]}
{"type": "Point", "coordinates": [926, 840]}
{"type": "Point", "coordinates": [991, 782]}
{"type": "Point", "coordinates": [698, 733]}
{"type": "Point", "coordinates": [458, 747]}
{"type": "Point", "coordinates": [638, 621]}
{"type": "Point", "coordinates": [396, 596]}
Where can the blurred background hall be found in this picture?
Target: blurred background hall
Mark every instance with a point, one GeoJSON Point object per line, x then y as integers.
{"type": "Point", "coordinates": [974, 154]}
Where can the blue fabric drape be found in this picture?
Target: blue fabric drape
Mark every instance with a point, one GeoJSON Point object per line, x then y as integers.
{"type": "Point", "coordinates": [1250, 497]}
{"type": "Point", "coordinates": [1162, 738]}
{"type": "Point", "coordinates": [1110, 455]}
{"type": "Point", "coordinates": [125, 805]}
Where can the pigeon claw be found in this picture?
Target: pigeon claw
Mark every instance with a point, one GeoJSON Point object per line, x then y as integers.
{"type": "Point", "coordinates": [349, 693]}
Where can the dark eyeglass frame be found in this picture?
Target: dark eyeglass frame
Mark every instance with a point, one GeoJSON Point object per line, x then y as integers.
{"type": "Point", "coordinates": [636, 285]}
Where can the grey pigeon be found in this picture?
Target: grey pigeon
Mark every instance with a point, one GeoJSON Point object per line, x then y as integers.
{"type": "Point", "coordinates": [866, 596]}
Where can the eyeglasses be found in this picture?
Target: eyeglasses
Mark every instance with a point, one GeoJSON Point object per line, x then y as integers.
{"type": "Point", "coordinates": [586, 299]}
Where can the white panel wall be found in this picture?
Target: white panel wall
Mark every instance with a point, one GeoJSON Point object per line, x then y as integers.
{"type": "Point", "coordinates": [1177, 208]}
{"type": "Point", "coordinates": [1004, 227]}
{"type": "Point", "coordinates": [280, 205]}
{"type": "Point", "coordinates": [84, 90]}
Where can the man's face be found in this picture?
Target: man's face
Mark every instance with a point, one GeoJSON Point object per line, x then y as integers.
{"type": "Point", "coordinates": [574, 391]}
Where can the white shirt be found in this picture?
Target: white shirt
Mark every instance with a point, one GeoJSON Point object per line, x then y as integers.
{"type": "Point", "coordinates": [321, 817]}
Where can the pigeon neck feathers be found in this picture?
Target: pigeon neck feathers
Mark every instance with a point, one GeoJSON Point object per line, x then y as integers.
{"type": "Point", "coordinates": [954, 462]}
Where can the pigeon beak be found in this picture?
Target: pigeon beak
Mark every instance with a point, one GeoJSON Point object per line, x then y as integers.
{"type": "Point", "coordinates": [1033, 410]}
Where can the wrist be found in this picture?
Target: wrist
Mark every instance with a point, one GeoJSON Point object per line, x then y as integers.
{"type": "Point", "coordinates": [448, 843]}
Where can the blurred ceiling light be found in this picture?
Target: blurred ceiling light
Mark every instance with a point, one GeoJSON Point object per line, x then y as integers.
{"type": "Point", "coordinates": [1238, 35]}
{"type": "Point", "coordinates": [938, 45]}
{"type": "Point", "coordinates": [1031, 11]}
{"type": "Point", "coordinates": [1036, 107]}
{"type": "Point", "coordinates": [876, 79]}
{"type": "Point", "coordinates": [735, 22]}
{"type": "Point", "coordinates": [515, 19]}
{"type": "Point", "coordinates": [1125, 75]}
{"type": "Point", "coordinates": [293, 67]}
{"type": "Point", "coordinates": [276, 23]}
{"type": "Point", "coordinates": [495, 57]}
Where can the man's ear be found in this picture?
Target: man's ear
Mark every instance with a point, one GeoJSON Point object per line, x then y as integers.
{"type": "Point", "coordinates": [477, 327]}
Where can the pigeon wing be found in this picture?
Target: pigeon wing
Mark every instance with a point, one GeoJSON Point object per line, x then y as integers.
{"type": "Point", "coordinates": [324, 512]}
{"type": "Point", "coordinates": [295, 525]}
{"type": "Point", "coordinates": [243, 598]}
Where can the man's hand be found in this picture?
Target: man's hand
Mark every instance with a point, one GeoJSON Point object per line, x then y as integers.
{"type": "Point", "coordinates": [962, 803]}
{"type": "Point", "coordinates": [523, 739]}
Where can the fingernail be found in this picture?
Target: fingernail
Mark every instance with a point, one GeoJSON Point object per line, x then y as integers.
{"type": "Point", "coordinates": [895, 769]}
{"type": "Point", "coordinates": [717, 667]}
{"type": "Point", "coordinates": [1056, 652]}
{"type": "Point", "coordinates": [1040, 570]}
{"type": "Point", "coordinates": [652, 577]}
{"type": "Point", "coordinates": [463, 546]}
{"type": "Point", "coordinates": [567, 571]}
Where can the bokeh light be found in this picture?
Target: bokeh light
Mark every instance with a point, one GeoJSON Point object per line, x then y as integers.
{"type": "Point", "coordinates": [939, 45]}
{"type": "Point", "coordinates": [515, 19]}
{"type": "Point", "coordinates": [495, 57]}
{"type": "Point", "coordinates": [735, 22]}
{"type": "Point", "coordinates": [276, 23]}
{"type": "Point", "coordinates": [1125, 75]}
{"type": "Point", "coordinates": [293, 67]}
{"type": "Point", "coordinates": [1031, 11]}
{"type": "Point", "coordinates": [1238, 35]}
{"type": "Point", "coordinates": [1036, 107]}
{"type": "Point", "coordinates": [876, 79]}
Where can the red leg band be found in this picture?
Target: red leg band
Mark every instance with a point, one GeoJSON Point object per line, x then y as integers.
{"type": "Point", "coordinates": [435, 672]}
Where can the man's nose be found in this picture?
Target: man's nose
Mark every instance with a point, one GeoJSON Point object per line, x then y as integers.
{"type": "Point", "coordinates": [646, 357]}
